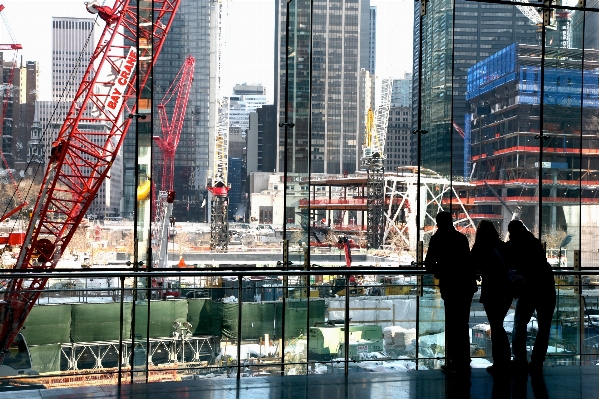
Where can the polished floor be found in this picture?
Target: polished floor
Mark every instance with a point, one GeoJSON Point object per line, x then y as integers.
{"type": "Point", "coordinates": [558, 382]}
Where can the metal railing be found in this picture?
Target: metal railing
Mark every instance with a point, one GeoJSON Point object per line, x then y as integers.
{"type": "Point", "coordinates": [142, 354]}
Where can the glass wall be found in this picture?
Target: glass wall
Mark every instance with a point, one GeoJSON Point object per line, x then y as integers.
{"type": "Point", "coordinates": [505, 127]}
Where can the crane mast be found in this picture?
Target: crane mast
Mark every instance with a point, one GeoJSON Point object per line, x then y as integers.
{"type": "Point", "coordinates": [167, 143]}
{"type": "Point", "coordinates": [373, 156]}
{"type": "Point", "coordinates": [79, 162]}
{"type": "Point", "coordinates": [218, 185]}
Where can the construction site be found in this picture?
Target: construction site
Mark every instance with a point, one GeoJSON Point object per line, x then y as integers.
{"type": "Point", "coordinates": [192, 313]}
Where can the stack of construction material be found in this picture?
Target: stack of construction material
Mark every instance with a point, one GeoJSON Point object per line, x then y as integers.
{"type": "Point", "coordinates": [399, 338]}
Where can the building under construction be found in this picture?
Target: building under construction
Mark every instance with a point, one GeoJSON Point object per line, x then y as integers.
{"type": "Point", "coordinates": [510, 150]}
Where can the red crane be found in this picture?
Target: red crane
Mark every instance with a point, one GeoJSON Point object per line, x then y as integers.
{"type": "Point", "coordinates": [79, 162]}
{"type": "Point", "coordinates": [171, 130]}
{"type": "Point", "coordinates": [168, 142]}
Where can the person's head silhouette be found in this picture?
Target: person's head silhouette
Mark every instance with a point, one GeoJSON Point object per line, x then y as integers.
{"type": "Point", "coordinates": [516, 229]}
{"type": "Point", "coordinates": [486, 232]}
{"type": "Point", "coordinates": [444, 220]}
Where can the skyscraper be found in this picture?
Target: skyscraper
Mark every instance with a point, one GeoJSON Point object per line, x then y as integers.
{"type": "Point", "coordinates": [245, 99]}
{"type": "Point", "coordinates": [372, 41]}
{"type": "Point", "coordinates": [190, 34]}
{"type": "Point", "coordinates": [325, 137]}
{"type": "Point", "coordinates": [481, 29]}
{"type": "Point", "coordinates": [26, 83]}
{"type": "Point", "coordinates": [398, 145]}
{"type": "Point", "coordinates": [72, 47]}
{"type": "Point", "coordinates": [401, 95]}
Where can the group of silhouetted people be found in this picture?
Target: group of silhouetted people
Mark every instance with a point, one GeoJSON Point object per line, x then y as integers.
{"type": "Point", "coordinates": [516, 269]}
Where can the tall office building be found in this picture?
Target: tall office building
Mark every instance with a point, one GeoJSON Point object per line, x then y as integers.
{"type": "Point", "coordinates": [190, 34]}
{"type": "Point", "coordinates": [372, 41]}
{"type": "Point", "coordinates": [245, 99]}
{"type": "Point", "coordinates": [401, 94]}
{"type": "Point", "coordinates": [481, 29]}
{"type": "Point", "coordinates": [262, 139]}
{"type": "Point", "coordinates": [6, 116]}
{"type": "Point", "coordinates": [25, 83]}
{"type": "Point", "coordinates": [324, 138]}
{"type": "Point", "coordinates": [72, 47]}
{"type": "Point", "coordinates": [398, 144]}
{"type": "Point", "coordinates": [73, 43]}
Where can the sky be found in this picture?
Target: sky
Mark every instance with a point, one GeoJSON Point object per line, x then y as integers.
{"type": "Point", "coordinates": [250, 42]}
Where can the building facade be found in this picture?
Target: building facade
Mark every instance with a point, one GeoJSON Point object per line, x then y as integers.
{"type": "Point", "coordinates": [448, 50]}
{"type": "Point", "coordinates": [245, 99]}
{"type": "Point", "coordinates": [325, 104]}
{"type": "Point", "coordinates": [72, 47]}
{"type": "Point", "coordinates": [190, 34]}
{"type": "Point", "coordinates": [372, 41]}
{"type": "Point", "coordinates": [401, 94]}
{"type": "Point", "coordinates": [504, 137]}
{"type": "Point", "coordinates": [398, 144]}
{"type": "Point", "coordinates": [73, 42]}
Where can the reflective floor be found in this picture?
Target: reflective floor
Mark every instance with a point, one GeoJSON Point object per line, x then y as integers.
{"type": "Point", "coordinates": [558, 382]}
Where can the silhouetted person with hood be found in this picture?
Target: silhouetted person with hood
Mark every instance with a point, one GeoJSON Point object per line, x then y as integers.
{"type": "Point", "coordinates": [527, 257]}
{"type": "Point", "coordinates": [489, 258]}
{"type": "Point", "coordinates": [448, 259]}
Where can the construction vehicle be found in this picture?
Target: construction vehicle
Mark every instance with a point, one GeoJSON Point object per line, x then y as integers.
{"type": "Point", "coordinates": [340, 284]}
{"type": "Point", "coordinates": [167, 143]}
{"type": "Point", "coordinates": [327, 341]}
{"type": "Point", "coordinates": [113, 91]}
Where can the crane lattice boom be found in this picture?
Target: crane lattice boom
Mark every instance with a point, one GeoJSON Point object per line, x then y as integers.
{"type": "Point", "coordinates": [168, 142]}
{"type": "Point", "coordinates": [381, 116]}
{"type": "Point", "coordinates": [171, 130]}
{"type": "Point", "coordinates": [218, 185]}
{"type": "Point", "coordinates": [79, 162]}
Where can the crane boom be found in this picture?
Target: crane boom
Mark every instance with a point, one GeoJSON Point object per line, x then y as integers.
{"type": "Point", "coordinates": [381, 116]}
{"type": "Point", "coordinates": [218, 185]}
{"type": "Point", "coordinates": [171, 130]}
{"type": "Point", "coordinates": [168, 142]}
{"type": "Point", "coordinates": [79, 162]}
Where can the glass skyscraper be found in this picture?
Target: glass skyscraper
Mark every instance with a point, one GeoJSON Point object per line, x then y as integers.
{"type": "Point", "coordinates": [327, 139]}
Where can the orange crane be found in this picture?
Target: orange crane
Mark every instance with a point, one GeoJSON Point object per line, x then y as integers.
{"type": "Point", "coordinates": [111, 89]}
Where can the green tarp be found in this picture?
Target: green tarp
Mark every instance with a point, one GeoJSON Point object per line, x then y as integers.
{"type": "Point", "coordinates": [99, 321]}
{"type": "Point", "coordinates": [48, 324]}
{"type": "Point", "coordinates": [265, 318]}
{"type": "Point", "coordinates": [297, 313]}
{"type": "Point", "coordinates": [162, 316]}
{"type": "Point", "coordinates": [45, 358]}
{"type": "Point", "coordinates": [89, 322]}
{"type": "Point", "coordinates": [205, 316]}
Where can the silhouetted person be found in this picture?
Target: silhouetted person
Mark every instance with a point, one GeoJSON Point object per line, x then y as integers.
{"type": "Point", "coordinates": [527, 257]}
{"type": "Point", "coordinates": [489, 257]}
{"type": "Point", "coordinates": [448, 260]}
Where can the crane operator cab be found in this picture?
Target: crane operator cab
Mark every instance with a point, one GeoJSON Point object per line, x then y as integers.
{"type": "Point", "coordinates": [18, 360]}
